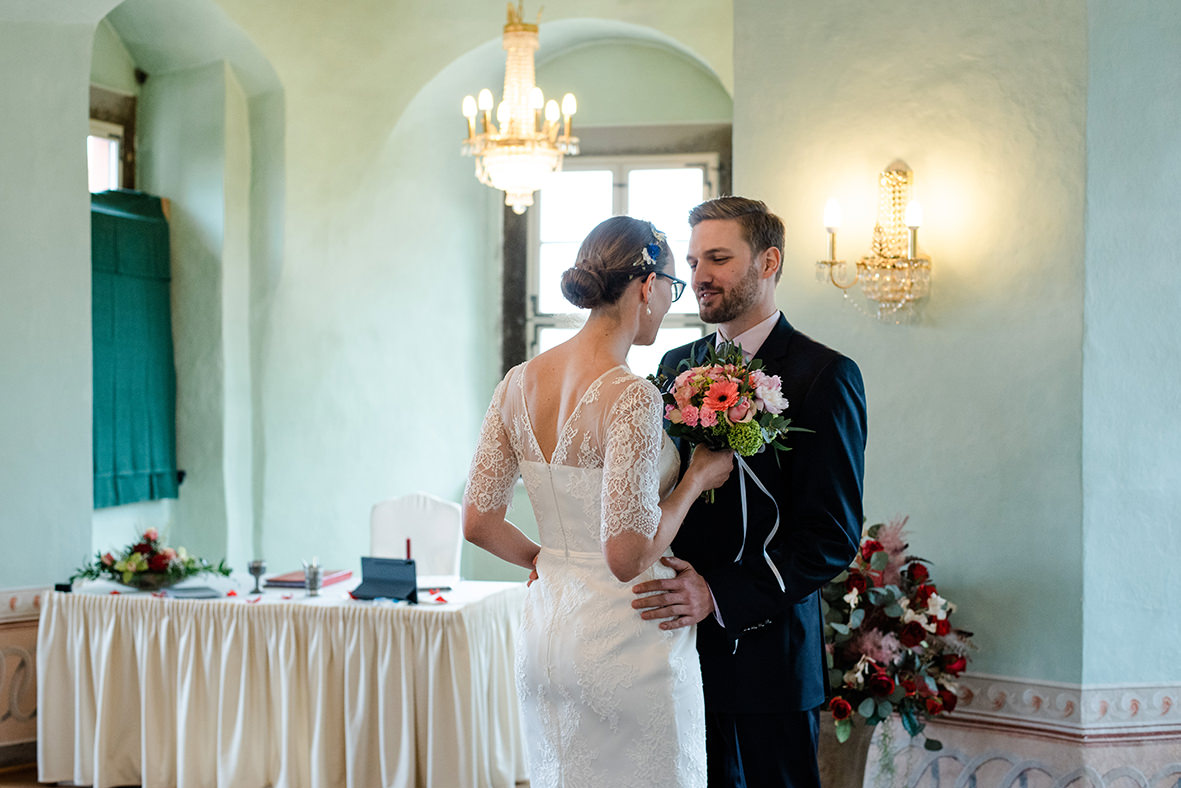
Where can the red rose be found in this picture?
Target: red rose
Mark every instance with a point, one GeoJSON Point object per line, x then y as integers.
{"type": "Point", "coordinates": [142, 547]}
{"type": "Point", "coordinates": [858, 581]}
{"type": "Point", "coordinates": [949, 698]}
{"type": "Point", "coordinates": [158, 563]}
{"type": "Point", "coordinates": [108, 559]}
{"type": "Point", "coordinates": [918, 572]}
{"type": "Point", "coordinates": [869, 547]}
{"type": "Point", "coordinates": [912, 634]}
{"type": "Point", "coordinates": [909, 685]}
{"type": "Point", "coordinates": [942, 626]}
{"type": "Point", "coordinates": [922, 594]}
{"type": "Point", "coordinates": [934, 706]}
{"type": "Point", "coordinates": [879, 685]}
{"type": "Point", "coordinates": [954, 663]}
{"type": "Point", "coordinates": [841, 709]}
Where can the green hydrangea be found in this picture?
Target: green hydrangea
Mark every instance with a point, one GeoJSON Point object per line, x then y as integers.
{"type": "Point", "coordinates": [746, 439]}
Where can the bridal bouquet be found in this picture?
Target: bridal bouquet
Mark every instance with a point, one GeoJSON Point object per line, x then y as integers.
{"type": "Point", "coordinates": [146, 564]}
{"type": "Point", "coordinates": [889, 639]}
{"type": "Point", "coordinates": [726, 402]}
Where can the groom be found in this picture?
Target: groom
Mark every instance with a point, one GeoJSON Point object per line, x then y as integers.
{"type": "Point", "coordinates": [762, 645]}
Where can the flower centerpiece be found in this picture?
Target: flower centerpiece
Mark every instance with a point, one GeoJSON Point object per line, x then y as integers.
{"type": "Point", "coordinates": [147, 565]}
{"type": "Point", "coordinates": [890, 643]}
{"type": "Point", "coordinates": [725, 403]}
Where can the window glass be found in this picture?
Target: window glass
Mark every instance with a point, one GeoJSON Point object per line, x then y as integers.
{"type": "Point", "coordinates": [102, 163]}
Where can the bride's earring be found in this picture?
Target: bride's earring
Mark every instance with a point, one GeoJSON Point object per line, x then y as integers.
{"type": "Point", "coordinates": [648, 309]}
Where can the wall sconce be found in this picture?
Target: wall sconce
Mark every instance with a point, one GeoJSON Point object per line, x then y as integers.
{"type": "Point", "coordinates": [895, 274]}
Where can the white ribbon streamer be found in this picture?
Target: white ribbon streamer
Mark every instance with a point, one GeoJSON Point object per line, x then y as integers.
{"type": "Point", "coordinates": [743, 471]}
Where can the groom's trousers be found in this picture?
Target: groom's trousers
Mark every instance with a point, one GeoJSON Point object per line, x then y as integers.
{"type": "Point", "coordinates": [763, 750]}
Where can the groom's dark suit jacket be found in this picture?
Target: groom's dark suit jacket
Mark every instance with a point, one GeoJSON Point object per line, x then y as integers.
{"type": "Point", "coordinates": [770, 655]}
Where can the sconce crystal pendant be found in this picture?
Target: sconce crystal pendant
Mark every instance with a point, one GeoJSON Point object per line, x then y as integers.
{"type": "Point", "coordinates": [895, 274]}
{"type": "Point", "coordinates": [526, 143]}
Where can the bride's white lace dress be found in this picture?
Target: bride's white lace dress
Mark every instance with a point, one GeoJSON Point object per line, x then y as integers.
{"type": "Point", "coordinates": [608, 698]}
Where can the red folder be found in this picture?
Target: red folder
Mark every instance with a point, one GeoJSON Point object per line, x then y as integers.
{"type": "Point", "coordinates": [296, 579]}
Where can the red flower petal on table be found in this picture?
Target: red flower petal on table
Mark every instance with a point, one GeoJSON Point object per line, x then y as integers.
{"type": "Point", "coordinates": [114, 592]}
{"type": "Point", "coordinates": [231, 592]}
{"type": "Point", "coordinates": [721, 395]}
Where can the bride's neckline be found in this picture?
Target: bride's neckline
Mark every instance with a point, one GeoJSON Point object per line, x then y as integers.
{"type": "Point", "coordinates": [561, 428]}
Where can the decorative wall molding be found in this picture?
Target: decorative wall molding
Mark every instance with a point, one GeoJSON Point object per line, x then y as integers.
{"type": "Point", "coordinates": [1129, 713]}
{"type": "Point", "coordinates": [21, 604]}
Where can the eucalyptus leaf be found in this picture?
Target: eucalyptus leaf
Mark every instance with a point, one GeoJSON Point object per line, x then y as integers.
{"type": "Point", "coordinates": [885, 709]}
{"type": "Point", "coordinates": [877, 596]}
{"type": "Point", "coordinates": [856, 617]}
{"type": "Point", "coordinates": [909, 721]}
{"type": "Point", "coordinates": [879, 560]}
{"type": "Point", "coordinates": [839, 628]}
{"type": "Point", "coordinates": [836, 677]}
{"type": "Point", "coordinates": [893, 610]}
{"type": "Point", "coordinates": [867, 708]}
{"type": "Point", "coordinates": [844, 728]}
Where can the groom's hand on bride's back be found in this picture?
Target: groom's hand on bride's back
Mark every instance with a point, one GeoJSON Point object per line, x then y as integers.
{"type": "Point", "coordinates": [680, 601]}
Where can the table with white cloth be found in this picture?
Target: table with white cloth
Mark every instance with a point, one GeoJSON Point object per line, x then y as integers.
{"type": "Point", "coordinates": [282, 689]}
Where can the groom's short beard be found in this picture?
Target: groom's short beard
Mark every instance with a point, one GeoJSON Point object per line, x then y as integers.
{"type": "Point", "coordinates": [736, 301]}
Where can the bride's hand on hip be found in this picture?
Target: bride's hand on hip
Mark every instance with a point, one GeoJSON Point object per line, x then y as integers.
{"type": "Point", "coordinates": [709, 468]}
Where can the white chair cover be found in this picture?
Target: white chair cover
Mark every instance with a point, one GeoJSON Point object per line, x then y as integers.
{"type": "Point", "coordinates": [433, 526]}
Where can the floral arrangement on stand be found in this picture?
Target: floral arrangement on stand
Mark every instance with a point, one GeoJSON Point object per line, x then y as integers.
{"type": "Point", "coordinates": [890, 643]}
{"type": "Point", "coordinates": [147, 565]}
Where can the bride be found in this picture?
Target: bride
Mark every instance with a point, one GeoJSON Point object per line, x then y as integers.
{"type": "Point", "coordinates": [608, 699]}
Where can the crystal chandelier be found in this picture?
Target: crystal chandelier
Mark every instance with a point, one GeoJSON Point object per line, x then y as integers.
{"type": "Point", "coordinates": [894, 275]}
{"type": "Point", "coordinates": [525, 145]}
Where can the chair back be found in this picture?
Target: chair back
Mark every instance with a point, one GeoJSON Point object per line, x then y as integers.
{"type": "Point", "coordinates": [432, 525]}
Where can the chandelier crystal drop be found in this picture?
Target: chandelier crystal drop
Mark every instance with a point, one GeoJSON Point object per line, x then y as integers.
{"type": "Point", "coordinates": [518, 152]}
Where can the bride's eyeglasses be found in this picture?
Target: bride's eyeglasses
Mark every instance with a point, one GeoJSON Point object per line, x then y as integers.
{"type": "Point", "coordinates": [678, 284]}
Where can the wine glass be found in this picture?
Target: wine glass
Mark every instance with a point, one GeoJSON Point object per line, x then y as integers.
{"type": "Point", "coordinates": [256, 568]}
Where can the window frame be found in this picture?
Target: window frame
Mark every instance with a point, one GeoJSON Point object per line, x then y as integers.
{"type": "Point", "coordinates": [620, 165]}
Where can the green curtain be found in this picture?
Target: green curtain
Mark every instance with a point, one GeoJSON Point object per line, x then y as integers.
{"type": "Point", "coordinates": [134, 375]}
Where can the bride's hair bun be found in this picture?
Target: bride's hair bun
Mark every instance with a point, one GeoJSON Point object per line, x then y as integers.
{"type": "Point", "coordinates": [583, 286]}
{"type": "Point", "coordinates": [617, 251]}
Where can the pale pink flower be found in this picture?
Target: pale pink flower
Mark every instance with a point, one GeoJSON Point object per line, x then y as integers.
{"type": "Point", "coordinates": [893, 541]}
{"type": "Point", "coordinates": [151, 535]}
{"type": "Point", "coordinates": [708, 417]}
{"type": "Point", "coordinates": [741, 413]}
{"type": "Point", "coordinates": [768, 391]}
{"type": "Point", "coordinates": [882, 648]}
{"type": "Point", "coordinates": [690, 414]}
{"type": "Point", "coordinates": [673, 415]}
{"type": "Point", "coordinates": [108, 559]}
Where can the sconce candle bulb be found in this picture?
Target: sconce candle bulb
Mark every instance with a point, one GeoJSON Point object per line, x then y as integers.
{"type": "Point", "coordinates": [914, 218]}
{"type": "Point", "coordinates": [832, 223]}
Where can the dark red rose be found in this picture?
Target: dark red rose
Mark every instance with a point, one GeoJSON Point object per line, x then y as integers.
{"type": "Point", "coordinates": [142, 547]}
{"type": "Point", "coordinates": [934, 705]}
{"type": "Point", "coordinates": [949, 698]}
{"type": "Point", "coordinates": [912, 634]}
{"type": "Point", "coordinates": [954, 663]}
{"type": "Point", "coordinates": [909, 685]}
{"type": "Point", "coordinates": [942, 626]}
{"type": "Point", "coordinates": [869, 547]}
{"type": "Point", "coordinates": [918, 572]}
{"type": "Point", "coordinates": [158, 563]}
{"type": "Point", "coordinates": [858, 581]}
{"type": "Point", "coordinates": [922, 594]}
{"type": "Point", "coordinates": [841, 709]}
{"type": "Point", "coordinates": [879, 685]}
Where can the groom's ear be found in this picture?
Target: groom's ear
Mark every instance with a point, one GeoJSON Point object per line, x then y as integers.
{"type": "Point", "coordinates": [772, 259]}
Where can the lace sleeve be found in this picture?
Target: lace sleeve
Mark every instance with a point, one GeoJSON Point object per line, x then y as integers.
{"type": "Point", "coordinates": [494, 466]}
{"type": "Point", "coordinates": [631, 478]}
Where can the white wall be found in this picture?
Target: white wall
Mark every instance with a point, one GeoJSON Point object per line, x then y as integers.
{"type": "Point", "coordinates": [975, 413]}
{"type": "Point", "coordinates": [1132, 426]}
{"type": "Point", "coordinates": [46, 481]}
